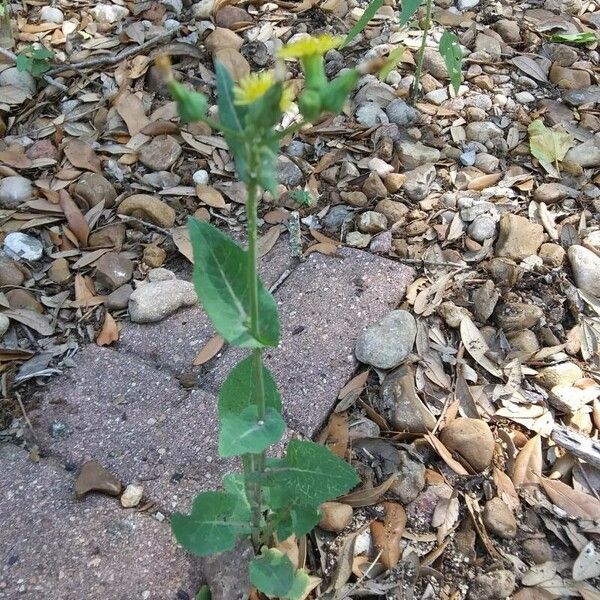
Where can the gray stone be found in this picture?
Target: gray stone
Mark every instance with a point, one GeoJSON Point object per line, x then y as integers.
{"type": "Point", "coordinates": [387, 343]}
{"type": "Point", "coordinates": [51, 14]}
{"type": "Point", "coordinates": [566, 373]}
{"type": "Point", "coordinates": [482, 228]}
{"type": "Point", "coordinates": [382, 243]}
{"type": "Point", "coordinates": [119, 298]}
{"type": "Point", "coordinates": [488, 44]}
{"type": "Point", "coordinates": [483, 131]}
{"type": "Point", "coordinates": [92, 545]}
{"type": "Point", "coordinates": [288, 172]}
{"type": "Point", "coordinates": [162, 180]}
{"type": "Point", "coordinates": [160, 153]}
{"type": "Point", "coordinates": [411, 478]}
{"type": "Point", "coordinates": [155, 300]}
{"type": "Point", "coordinates": [586, 269]}
{"type": "Point", "coordinates": [334, 220]}
{"type": "Point", "coordinates": [356, 239]}
{"type": "Point", "coordinates": [518, 237]}
{"type": "Point", "coordinates": [576, 98]}
{"type": "Point", "coordinates": [400, 405]}
{"type": "Point", "coordinates": [499, 519]}
{"type": "Point", "coordinates": [113, 270]}
{"type": "Point", "coordinates": [487, 163]}
{"type": "Point", "coordinates": [434, 63]}
{"type": "Point", "coordinates": [401, 113]}
{"type": "Point", "coordinates": [372, 222]}
{"type": "Point", "coordinates": [23, 80]}
{"type": "Point", "coordinates": [463, 5]}
{"type": "Point", "coordinates": [370, 114]}
{"type": "Point", "coordinates": [495, 585]}
{"type": "Point", "coordinates": [524, 97]}
{"type": "Point", "coordinates": [418, 181]}
{"type": "Point", "coordinates": [375, 91]}
{"type": "Point", "coordinates": [4, 324]}
{"type": "Point", "coordinates": [586, 155]}
{"type": "Point", "coordinates": [93, 188]}
{"type": "Point", "coordinates": [14, 190]}
{"type": "Point", "coordinates": [468, 157]}
{"type": "Point", "coordinates": [22, 246]}
{"type": "Point", "coordinates": [414, 154]}
{"type": "Point", "coordinates": [515, 316]}
{"type": "Point", "coordinates": [200, 177]}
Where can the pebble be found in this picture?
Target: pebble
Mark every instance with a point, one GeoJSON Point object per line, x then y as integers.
{"type": "Point", "coordinates": [93, 188]}
{"type": "Point", "coordinates": [382, 243]}
{"type": "Point", "coordinates": [472, 439]}
{"type": "Point", "coordinates": [356, 199]}
{"type": "Point", "coordinates": [334, 220]}
{"type": "Point", "coordinates": [113, 270]}
{"type": "Point", "coordinates": [288, 172]}
{"type": "Point", "coordinates": [410, 478]}
{"type": "Point", "coordinates": [162, 180]}
{"type": "Point", "coordinates": [467, 158]}
{"type": "Point", "coordinates": [518, 238]}
{"type": "Point", "coordinates": [488, 44]}
{"type": "Point", "coordinates": [154, 256]}
{"type": "Point", "coordinates": [400, 405]}
{"type": "Point", "coordinates": [566, 373]}
{"type": "Point", "coordinates": [358, 240]}
{"type": "Point", "coordinates": [553, 255]}
{"type": "Point", "coordinates": [109, 13]}
{"type": "Point", "coordinates": [437, 97]}
{"type": "Point", "coordinates": [160, 153]}
{"type": "Point", "coordinates": [509, 31]}
{"type": "Point", "coordinates": [19, 298]}
{"type": "Point", "coordinates": [23, 80]}
{"type": "Point", "coordinates": [10, 273]}
{"type": "Point", "coordinates": [14, 190]}
{"type": "Point", "coordinates": [569, 399]}
{"type": "Point", "coordinates": [434, 64]}
{"type": "Point", "coordinates": [373, 187]}
{"type": "Point", "coordinates": [463, 5]}
{"type": "Point", "coordinates": [19, 246]}
{"type": "Point", "coordinates": [132, 495]}
{"type": "Point", "coordinates": [370, 115]}
{"type": "Point", "coordinates": [414, 154]}
{"type": "Point", "coordinates": [387, 343]}
{"type": "Point", "coordinates": [51, 14]}
{"type": "Point", "coordinates": [4, 324]}
{"type": "Point", "coordinates": [380, 167]}
{"type": "Point", "coordinates": [453, 314]}
{"type": "Point", "coordinates": [586, 155]}
{"type": "Point", "coordinates": [372, 222]}
{"type": "Point", "coordinates": [523, 341]}
{"type": "Point", "coordinates": [148, 208]}
{"type": "Point", "coordinates": [499, 519]}
{"type": "Point", "coordinates": [394, 181]}
{"type": "Point", "coordinates": [538, 549]}
{"type": "Point", "coordinates": [394, 211]}
{"type": "Point", "coordinates": [110, 236]}
{"type": "Point", "coordinates": [200, 177]}
{"type": "Point", "coordinates": [585, 265]}
{"type": "Point", "coordinates": [157, 300]}
{"type": "Point", "coordinates": [524, 97]}
{"type": "Point", "coordinates": [401, 113]}
{"type": "Point", "coordinates": [569, 79]}
{"type": "Point", "coordinates": [495, 585]}
{"type": "Point", "coordinates": [515, 316]}
{"type": "Point", "coordinates": [375, 91]}
{"type": "Point", "coordinates": [482, 131]}
{"type": "Point", "coordinates": [419, 181]}
{"type": "Point", "coordinates": [576, 98]}
{"type": "Point", "coordinates": [119, 298]}
{"type": "Point", "coordinates": [335, 516]}
{"type": "Point", "coordinates": [482, 228]}
{"type": "Point", "coordinates": [553, 192]}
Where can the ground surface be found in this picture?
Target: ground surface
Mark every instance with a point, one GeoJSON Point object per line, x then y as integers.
{"type": "Point", "coordinates": [476, 411]}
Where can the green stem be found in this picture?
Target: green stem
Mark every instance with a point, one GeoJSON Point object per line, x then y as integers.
{"type": "Point", "coordinates": [419, 70]}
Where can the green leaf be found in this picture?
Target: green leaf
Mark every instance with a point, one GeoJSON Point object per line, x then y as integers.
{"type": "Point", "coordinates": [587, 37]}
{"type": "Point", "coordinates": [393, 59]}
{"type": "Point", "coordinates": [548, 145]}
{"type": "Point", "coordinates": [272, 573]}
{"type": "Point", "coordinates": [334, 94]}
{"type": "Point", "coordinates": [265, 112]}
{"type": "Point", "coordinates": [204, 593]}
{"type": "Point", "coordinates": [267, 172]}
{"type": "Point", "coordinates": [247, 434]}
{"type": "Point", "coordinates": [453, 56]}
{"type": "Point", "coordinates": [309, 475]}
{"type": "Point", "coordinates": [301, 583]}
{"type": "Point", "coordinates": [210, 527]}
{"type": "Point", "coordinates": [191, 105]}
{"type": "Point", "coordinates": [221, 280]}
{"type": "Point", "coordinates": [369, 13]}
{"type": "Point", "coordinates": [232, 118]}
{"type": "Point", "coordinates": [234, 485]}
{"type": "Point", "coordinates": [23, 62]}
{"type": "Point", "coordinates": [409, 8]}
{"type": "Point", "coordinates": [299, 520]}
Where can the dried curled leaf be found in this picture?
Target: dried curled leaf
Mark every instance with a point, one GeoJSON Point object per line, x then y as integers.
{"type": "Point", "coordinates": [387, 535]}
{"type": "Point", "coordinates": [528, 464]}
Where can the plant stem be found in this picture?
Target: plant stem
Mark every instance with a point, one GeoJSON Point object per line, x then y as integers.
{"type": "Point", "coordinates": [419, 70]}
{"type": "Point", "coordinates": [255, 463]}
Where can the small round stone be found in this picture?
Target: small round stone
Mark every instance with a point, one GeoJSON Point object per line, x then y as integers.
{"type": "Point", "coordinates": [19, 245]}
{"type": "Point", "coordinates": [472, 439]}
{"type": "Point", "coordinates": [14, 190]}
{"type": "Point", "coordinates": [132, 495]}
{"type": "Point", "coordinates": [499, 519]}
{"type": "Point", "coordinates": [200, 177]}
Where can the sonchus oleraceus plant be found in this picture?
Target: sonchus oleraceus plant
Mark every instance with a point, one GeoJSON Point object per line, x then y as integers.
{"type": "Point", "coordinates": [272, 498]}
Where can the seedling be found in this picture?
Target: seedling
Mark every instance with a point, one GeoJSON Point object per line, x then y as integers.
{"type": "Point", "coordinates": [272, 498]}
{"type": "Point", "coordinates": [36, 60]}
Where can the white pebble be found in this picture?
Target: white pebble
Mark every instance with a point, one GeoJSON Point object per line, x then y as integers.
{"type": "Point", "coordinates": [200, 177]}
{"type": "Point", "coordinates": [132, 495]}
{"type": "Point", "coordinates": [51, 14]}
{"type": "Point", "coordinates": [19, 245]}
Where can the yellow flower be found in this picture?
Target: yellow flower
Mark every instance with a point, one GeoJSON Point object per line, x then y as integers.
{"type": "Point", "coordinates": [311, 46]}
{"type": "Point", "coordinates": [255, 85]}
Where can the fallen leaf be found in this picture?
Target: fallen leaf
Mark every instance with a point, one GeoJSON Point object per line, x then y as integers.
{"type": "Point", "coordinates": [323, 248]}
{"type": "Point", "coordinates": [77, 223]}
{"type": "Point", "coordinates": [446, 455]}
{"type": "Point", "coordinates": [445, 516]}
{"type": "Point", "coordinates": [209, 350]}
{"type": "Point", "coordinates": [548, 145]}
{"type": "Point", "coordinates": [233, 61]}
{"type": "Point", "coordinates": [476, 346]}
{"type": "Point", "coordinates": [387, 535]}
{"type": "Point", "coordinates": [336, 434]}
{"type": "Point", "coordinates": [587, 564]}
{"type": "Point", "coordinates": [210, 196]}
{"type": "Point", "coordinates": [109, 332]}
{"type": "Point", "coordinates": [528, 464]}
{"type": "Point", "coordinates": [32, 319]}
{"type": "Point", "coordinates": [358, 382]}
{"type": "Point", "coordinates": [93, 477]}
{"type": "Point", "coordinates": [181, 239]}
{"type": "Point", "coordinates": [574, 503]}
{"type": "Point", "coordinates": [368, 496]}
{"type": "Point", "coordinates": [131, 109]}
{"type": "Point", "coordinates": [266, 242]}
{"type": "Point", "coordinates": [82, 156]}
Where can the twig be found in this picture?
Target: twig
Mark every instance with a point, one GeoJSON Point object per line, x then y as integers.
{"type": "Point", "coordinates": [23, 411]}
{"type": "Point", "coordinates": [577, 444]}
{"type": "Point", "coordinates": [46, 77]}
{"type": "Point", "coordinates": [146, 224]}
{"type": "Point", "coordinates": [111, 59]}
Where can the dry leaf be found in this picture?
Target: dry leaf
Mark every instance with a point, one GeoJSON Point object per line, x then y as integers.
{"type": "Point", "coordinates": [210, 196]}
{"type": "Point", "coordinates": [548, 145]}
{"type": "Point", "coordinates": [387, 535]}
{"type": "Point", "coordinates": [181, 239]}
{"type": "Point", "coordinates": [320, 237]}
{"type": "Point", "coordinates": [368, 496]}
{"type": "Point", "coordinates": [209, 350]}
{"type": "Point", "coordinates": [82, 156]}
{"type": "Point", "coordinates": [336, 434]}
{"type": "Point", "coordinates": [323, 248]}
{"type": "Point", "coordinates": [358, 382]}
{"type": "Point", "coordinates": [131, 109]}
{"type": "Point", "coordinates": [574, 503]}
{"type": "Point", "coordinates": [84, 288]}
{"type": "Point", "coordinates": [506, 489]}
{"type": "Point", "coordinates": [476, 346]}
{"type": "Point", "coordinates": [446, 455]}
{"type": "Point", "coordinates": [528, 464]}
{"type": "Point", "coordinates": [32, 319]}
{"type": "Point", "coordinates": [587, 564]}
{"type": "Point", "coordinates": [266, 242]}
{"type": "Point", "coordinates": [234, 62]}
{"type": "Point", "coordinates": [445, 516]}
{"type": "Point", "coordinates": [109, 332]}
{"type": "Point", "coordinates": [77, 223]}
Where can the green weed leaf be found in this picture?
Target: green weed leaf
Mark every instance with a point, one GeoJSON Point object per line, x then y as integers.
{"type": "Point", "coordinates": [204, 593]}
{"type": "Point", "coordinates": [246, 433]}
{"type": "Point", "coordinates": [548, 145]}
{"type": "Point", "coordinates": [409, 8]}
{"type": "Point", "coordinates": [301, 582]}
{"type": "Point", "coordinates": [453, 57]}
{"type": "Point", "coordinates": [221, 281]}
{"type": "Point", "coordinates": [587, 37]}
{"type": "Point", "coordinates": [272, 573]}
{"type": "Point", "coordinates": [298, 520]}
{"type": "Point", "coordinates": [334, 94]}
{"type": "Point", "coordinates": [363, 21]}
{"type": "Point", "coordinates": [309, 475]}
{"type": "Point", "coordinates": [390, 64]}
{"type": "Point", "coordinates": [211, 526]}
{"type": "Point", "coordinates": [191, 105]}
{"type": "Point", "coordinates": [23, 62]}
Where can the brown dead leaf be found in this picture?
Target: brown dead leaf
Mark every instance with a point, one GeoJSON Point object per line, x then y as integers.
{"type": "Point", "coordinates": [82, 156]}
{"type": "Point", "coordinates": [210, 196]}
{"type": "Point", "coordinates": [109, 332]}
{"type": "Point", "coordinates": [336, 434]}
{"type": "Point", "coordinates": [32, 319]}
{"type": "Point", "coordinates": [209, 350]}
{"type": "Point", "coordinates": [160, 127]}
{"type": "Point", "coordinates": [358, 382]}
{"type": "Point", "coordinates": [368, 496]}
{"type": "Point", "coordinates": [476, 346]}
{"type": "Point", "coordinates": [266, 242]}
{"type": "Point", "coordinates": [446, 455]}
{"type": "Point", "coordinates": [235, 63]}
{"type": "Point", "coordinates": [387, 535]}
{"type": "Point", "coordinates": [575, 503]}
{"type": "Point", "coordinates": [181, 239]}
{"type": "Point", "coordinates": [131, 109]}
{"type": "Point", "coordinates": [445, 516]}
{"type": "Point", "coordinates": [506, 489]}
{"type": "Point", "coordinates": [84, 288]}
{"type": "Point", "coordinates": [528, 464]}
{"type": "Point", "coordinates": [277, 216]}
{"type": "Point", "coordinates": [320, 237]}
{"type": "Point", "coordinates": [323, 248]}
{"type": "Point", "coordinates": [77, 223]}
